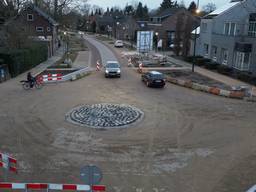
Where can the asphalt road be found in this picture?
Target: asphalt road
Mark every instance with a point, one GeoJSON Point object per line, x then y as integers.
{"type": "Point", "coordinates": [187, 141]}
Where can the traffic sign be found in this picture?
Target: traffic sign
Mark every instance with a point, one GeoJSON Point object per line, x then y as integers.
{"type": "Point", "coordinates": [91, 175]}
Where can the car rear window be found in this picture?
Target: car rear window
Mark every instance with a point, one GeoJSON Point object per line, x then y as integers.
{"type": "Point", "coordinates": [113, 65]}
{"type": "Point", "coordinates": [157, 76]}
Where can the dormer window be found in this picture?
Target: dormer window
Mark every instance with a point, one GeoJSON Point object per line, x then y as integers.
{"type": "Point", "coordinates": [30, 17]}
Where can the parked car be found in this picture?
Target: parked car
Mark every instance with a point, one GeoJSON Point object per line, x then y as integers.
{"type": "Point", "coordinates": [112, 69]}
{"type": "Point", "coordinates": [119, 43]}
{"type": "Point", "coordinates": [154, 79]}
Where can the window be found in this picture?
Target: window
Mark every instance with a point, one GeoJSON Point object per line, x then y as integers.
{"type": "Point", "coordinates": [206, 49]}
{"type": "Point", "coordinates": [30, 17]}
{"type": "Point", "coordinates": [214, 53]}
{"type": "Point", "coordinates": [230, 29]}
{"type": "Point", "coordinates": [48, 29]}
{"type": "Point", "coordinates": [226, 28]}
{"type": "Point", "coordinates": [252, 25]}
{"type": "Point", "coordinates": [204, 27]}
{"type": "Point", "coordinates": [39, 29]}
{"type": "Point", "coordinates": [224, 56]}
{"type": "Point", "coordinates": [252, 29]}
{"type": "Point", "coordinates": [242, 60]}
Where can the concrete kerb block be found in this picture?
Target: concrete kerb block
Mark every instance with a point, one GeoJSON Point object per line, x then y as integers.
{"type": "Point", "coordinates": [181, 82]}
{"type": "Point", "coordinates": [172, 80]}
{"type": "Point", "coordinates": [211, 90]}
{"type": "Point", "coordinates": [237, 94]}
{"type": "Point", "coordinates": [73, 78]}
{"type": "Point", "coordinates": [204, 88]}
{"type": "Point", "coordinates": [214, 90]}
{"type": "Point", "coordinates": [196, 86]}
{"type": "Point", "coordinates": [188, 84]}
{"type": "Point", "coordinates": [224, 93]}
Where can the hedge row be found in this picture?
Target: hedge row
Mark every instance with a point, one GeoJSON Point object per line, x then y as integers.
{"type": "Point", "coordinates": [222, 69]}
{"type": "Point", "coordinates": [21, 60]}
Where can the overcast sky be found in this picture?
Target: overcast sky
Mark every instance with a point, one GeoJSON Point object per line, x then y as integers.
{"type": "Point", "coordinates": [152, 4]}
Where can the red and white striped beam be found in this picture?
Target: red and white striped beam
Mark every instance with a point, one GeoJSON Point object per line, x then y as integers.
{"type": "Point", "coordinates": [52, 77]}
{"type": "Point", "coordinates": [8, 162]}
{"type": "Point", "coordinates": [50, 186]}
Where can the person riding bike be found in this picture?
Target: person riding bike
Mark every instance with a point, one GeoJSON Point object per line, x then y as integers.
{"type": "Point", "coordinates": [30, 79]}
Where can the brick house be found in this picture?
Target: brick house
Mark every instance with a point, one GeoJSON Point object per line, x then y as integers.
{"type": "Point", "coordinates": [164, 24]}
{"type": "Point", "coordinates": [37, 25]}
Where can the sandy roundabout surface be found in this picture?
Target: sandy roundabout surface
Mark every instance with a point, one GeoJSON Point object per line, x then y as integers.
{"type": "Point", "coordinates": [105, 115]}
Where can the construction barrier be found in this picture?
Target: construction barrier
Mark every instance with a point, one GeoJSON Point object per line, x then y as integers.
{"type": "Point", "coordinates": [7, 162]}
{"type": "Point", "coordinates": [98, 66]}
{"type": "Point", "coordinates": [51, 78]}
{"type": "Point", "coordinates": [140, 68]}
{"type": "Point", "coordinates": [129, 62]}
{"type": "Point", "coordinates": [51, 186]}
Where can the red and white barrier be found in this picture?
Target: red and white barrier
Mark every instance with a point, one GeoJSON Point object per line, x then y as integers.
{"type": "Point", "coordinates": [140, 67]}
{"type": "Point", "coordinates": [51, 186]}
{"type": "Point", "coordinates": [8, 162]}
{"type": "Point", "coordinates": [129, 62]}
{"type": "Point", "coordinates": [52, 77]}
{"type": "Point", "coordinates": [98, 66]}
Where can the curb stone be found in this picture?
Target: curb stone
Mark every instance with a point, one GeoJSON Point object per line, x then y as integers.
{"type": "Point", "coordinates": [211, 90]}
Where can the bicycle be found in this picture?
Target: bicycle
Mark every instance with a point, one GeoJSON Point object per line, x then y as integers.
{"type": "Point", "coordinates": [37, 83]}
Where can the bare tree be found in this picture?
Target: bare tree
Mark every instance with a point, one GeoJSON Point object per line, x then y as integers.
{"type": "Point", "coordinates": [210, 7]}
{"type": "Point", "coordinates": [10, 8]}
{"type": "Point", "coordinates": [17, 40]}
{"type": "Point", "coordinates": [188, 26]}
{"type": "Point", "coordinates": [178, 34]}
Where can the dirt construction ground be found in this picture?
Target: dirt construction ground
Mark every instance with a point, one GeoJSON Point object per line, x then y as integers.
{"type": "Point", "coordinates": [188, 141]}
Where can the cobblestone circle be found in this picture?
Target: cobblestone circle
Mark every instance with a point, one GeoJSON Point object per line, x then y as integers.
{"type": "Point", "coordinates": [105, 115]}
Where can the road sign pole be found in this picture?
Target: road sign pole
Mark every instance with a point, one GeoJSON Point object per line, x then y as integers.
{"type": "Point", "coordinates": [91, 177]}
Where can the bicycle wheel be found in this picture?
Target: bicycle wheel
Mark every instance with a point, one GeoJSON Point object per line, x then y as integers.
{"type": "Point", "coordinates": [38, 85]}
{"type": "Point", "coordinates": [26, 86]}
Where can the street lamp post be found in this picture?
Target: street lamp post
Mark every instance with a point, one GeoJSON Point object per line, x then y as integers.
{"type": "Point", "coordinates": [123, 32]}
{"type": "Point", "coordinates": [67, 45]}
{"type": "Point", "coordinates": [195, 36]}
{"type": "Point", "coordinates": [156, 41]}
{"type": "Point", "coordinates": [117, 23]}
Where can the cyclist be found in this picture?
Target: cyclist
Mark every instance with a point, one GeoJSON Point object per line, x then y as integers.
{"type": "Point", "coordinates": [30, 79]}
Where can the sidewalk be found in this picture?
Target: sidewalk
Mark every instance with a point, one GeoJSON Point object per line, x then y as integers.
{"type": "Point", "coordinates": [216, 76]}
{"type": "Point", "coordinates": [50, 61]}
{"type": "Point", "coordinates": [83, 59]}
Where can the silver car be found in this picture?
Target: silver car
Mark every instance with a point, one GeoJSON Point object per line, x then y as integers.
{"type": "Point", "coordinates": [112, 69]}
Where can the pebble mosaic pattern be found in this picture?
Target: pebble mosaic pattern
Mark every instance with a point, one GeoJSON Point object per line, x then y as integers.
{"type": "Point", "coordinates": [105, 115]}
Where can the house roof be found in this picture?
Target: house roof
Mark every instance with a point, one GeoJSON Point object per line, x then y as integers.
{"type": "Point", "coordinates": [196, 31]}
{"type": "Point", "coordinates": [221, 10]}
{"type": "Point", "coordinates": [167, 12]}
{"type": "Point", "coordinates": [43, 14]}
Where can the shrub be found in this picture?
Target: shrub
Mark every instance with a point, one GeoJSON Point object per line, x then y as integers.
{"type": "Point", "coordinates": [224, 70]}
{"type": "Point", "coordinates": [21, 60]}
{"type": "Point", "coordinates": [201, 61]}
{"type": "Point", "coordinates": [191, 58]}
{"type": "Point", "coordinates": [244, 76]}
{"type": "Point", "coordinates": [211, 65]}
